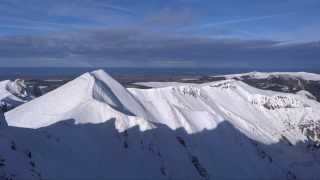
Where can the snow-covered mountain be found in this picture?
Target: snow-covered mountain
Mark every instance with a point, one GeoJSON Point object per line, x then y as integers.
{"type": "Point", "coordinates": [306, 84]}
{"type": "Point", "coordinates": [94, 128]}
{"type": "Point", "coordinates": [13, 94]}
{"type": "Point", "coordinates": [289, 75]}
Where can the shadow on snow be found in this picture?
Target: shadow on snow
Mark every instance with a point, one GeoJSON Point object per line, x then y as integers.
{"type": "Point", "coordinates": [96, 151]}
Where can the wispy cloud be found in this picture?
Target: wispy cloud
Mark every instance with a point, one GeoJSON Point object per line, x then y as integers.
{"type": "Point", "coordinates": [27, 27]}
{"type": "Point", "coordinates": [242, 20]}
{"type": "Point", "coordinates": [29, 24]}
{"type": "Point", "coordinates": [117, 9]}
{"type": "Point", "coordinates": [60, 15]}
{"type": "Point", "coordinates": [221, 29]}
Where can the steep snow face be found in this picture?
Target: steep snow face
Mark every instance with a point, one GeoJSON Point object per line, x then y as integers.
{"type": "Point", "coordinates": [92, 127]}
{"type": "Point", "coordinates": [92, 98]}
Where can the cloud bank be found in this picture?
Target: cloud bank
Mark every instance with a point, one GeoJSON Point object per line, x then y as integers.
{"type": "Point", "coordinates": [137, 47]}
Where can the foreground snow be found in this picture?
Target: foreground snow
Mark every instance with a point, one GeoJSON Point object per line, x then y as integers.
{"type": "Point", "coordinates": [92, 127]}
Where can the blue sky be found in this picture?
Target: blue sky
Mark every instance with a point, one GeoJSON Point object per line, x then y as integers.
{"type": "Point", "coordinates": [160, 33]}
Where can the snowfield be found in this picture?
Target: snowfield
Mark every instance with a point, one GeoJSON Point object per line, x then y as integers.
{"type": "Point", "coordinates": [94, 128]}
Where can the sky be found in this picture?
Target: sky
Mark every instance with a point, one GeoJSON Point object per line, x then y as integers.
{"type": "Point", "coordinates": [160, 33]}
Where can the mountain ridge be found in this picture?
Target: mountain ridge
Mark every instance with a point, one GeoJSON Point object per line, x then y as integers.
{"type": "Point", "coordinates": [197, 131]}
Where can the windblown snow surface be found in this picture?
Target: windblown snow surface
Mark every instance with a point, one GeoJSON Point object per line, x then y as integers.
{"type": "Point", "coordinates": [93, 128]}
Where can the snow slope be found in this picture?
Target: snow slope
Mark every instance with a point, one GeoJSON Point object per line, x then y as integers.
{"type": "Point", "coordinates": [93, 128]}
{"type": "Point", "coordinates": [245, 107]}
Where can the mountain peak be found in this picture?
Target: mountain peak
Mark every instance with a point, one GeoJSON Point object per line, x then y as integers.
{"type": "Point", "coordinates": [91, 98]}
